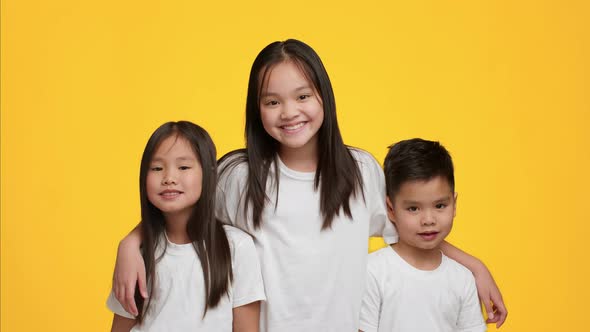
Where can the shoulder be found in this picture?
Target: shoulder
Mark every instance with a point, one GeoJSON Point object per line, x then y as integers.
{"type": "Point", "coordinates": [379, 260]}
{"type": "Point", "coordinates": [232, 167]}
{"type": "Point", "coordinates": [458, 271]}
{"type": "Point", "coordinates": [362, 157]}
{"type": "Point", "coordinates": [367, 164]}
{"type": "Point", "coordinates": [370, 169]}
{"type": "Point", "coordinates": [233, 159]}
{"type": "Point", "coordinates": [237, 238]}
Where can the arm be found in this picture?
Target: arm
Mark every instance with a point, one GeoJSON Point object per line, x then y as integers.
{"type": "Point", "coordinates": [487, 289]}
{"type": "Point", "coordinates": [129, 270]}
{"type": "Point", "coordinates": [374, 182]}
{"type": "Point", "coordinates": [470, 318]}
{"type": "Point", "coordinates": [247, 317]}
{"type": "Point", "coordinates": [371, 303]}
{"type": "Point", "coordinates": [122, 324]}
{"type": "Point", "coordinates": [247, 286]}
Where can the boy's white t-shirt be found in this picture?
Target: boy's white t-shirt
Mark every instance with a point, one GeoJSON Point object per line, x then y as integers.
{"type": "Point", "coordinates": [401, 298]}
{"type": "Point", "coordinates": [313, 278]}
{"type": "Point", "coordinates": [178, 299]}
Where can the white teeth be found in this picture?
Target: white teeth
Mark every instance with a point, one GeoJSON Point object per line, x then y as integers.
{"type": "Point", "coordinates": [297, 126]}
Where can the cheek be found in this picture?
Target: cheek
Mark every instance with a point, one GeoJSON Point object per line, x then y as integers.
{"type": "Point", "coordinates": [268, 119]}
{"type": "Point", "coordinates": [449, 219]}
{"type": "Point", "coordinates": [196, 182]}
{"type": "Point", "coordinates": [265, 117]}
{"type": "Point", "coordinates": [152, 185]}
{"type": "Point", "coordinates": [320, 118]}
{"type": "Point", "coordinates": [402, 224]}
{"type": "Point", "coordinates": [319, 107]}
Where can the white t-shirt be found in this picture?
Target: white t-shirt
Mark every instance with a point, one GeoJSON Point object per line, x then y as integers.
{"type": "Point", "coordinates": [313, 279]}
{"type": "Point", "coordinates": [178, 299]}
{"type": "Point", "coordinates": [402, 298]}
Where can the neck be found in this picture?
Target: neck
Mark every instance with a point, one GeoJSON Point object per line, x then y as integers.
{"type": "Point", "coordinates": [421, 259]}
{"type": "Point", "coordinates": [302, 159]}
{"type": "Point", "coordinates": [176, 227]}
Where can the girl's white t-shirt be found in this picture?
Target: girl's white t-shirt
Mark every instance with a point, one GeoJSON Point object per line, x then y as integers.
{"type": "Point", "coordinates": [178, 299]}
{"type": "Point", "coordinates": [313, 278]}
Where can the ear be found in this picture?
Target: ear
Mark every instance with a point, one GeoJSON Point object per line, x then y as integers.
{"type": "Point", "coordinates": [390, 213]}
{"type": "Point", "coordinates": [455, 205]}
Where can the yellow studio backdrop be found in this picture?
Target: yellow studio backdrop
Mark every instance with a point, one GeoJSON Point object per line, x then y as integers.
{"type": "Point", "coordinates": [504, 85]}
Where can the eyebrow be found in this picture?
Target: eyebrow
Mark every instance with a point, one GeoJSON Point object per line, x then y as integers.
{"type": "Point", "coordinates": [440, 200]}
{"type": "Point", "coordinates": [443, 199]}
{"type": "Point", "coordinates": [267, 94]}
{"type": "Point", "coordinates": [182, 158]}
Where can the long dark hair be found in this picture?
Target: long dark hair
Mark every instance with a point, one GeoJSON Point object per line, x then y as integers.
{"type": "Point", "coordinates": [204, 230]}
{"type": "Point", "coordinates": [337, 175]}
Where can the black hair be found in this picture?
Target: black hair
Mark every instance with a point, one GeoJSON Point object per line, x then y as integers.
{"type": "Point", "coordinates": [416, 159]}
{"type": "Point", "coordinates": [204, 231]}
{"type": "Point", "coordinates": [337, 175]}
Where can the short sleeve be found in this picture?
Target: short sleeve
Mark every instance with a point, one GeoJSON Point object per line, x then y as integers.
{"type": "Point", "coordinates": [371, 305]}
{"type": "Point", "coordinates": [374, 180]}
{"type": "Point", "coordinates": [116, 307]}
{"type": "Point", "coordinates": [470, 317]}
{"type": "Point", "coordinates": [230, 189]}
{"type": "Point", "coordinates": [247, 284]}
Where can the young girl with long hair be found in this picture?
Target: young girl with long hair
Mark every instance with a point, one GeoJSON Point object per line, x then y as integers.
{"type": "Point", "coordinates": [201, 275]}
{"type": "Point", "coordinates": [309, 201]}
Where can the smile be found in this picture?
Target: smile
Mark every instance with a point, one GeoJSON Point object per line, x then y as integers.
{"type": "Point", "coordinates": [293, 127]}
{"type": "Point", "coordinates": [170, 194]}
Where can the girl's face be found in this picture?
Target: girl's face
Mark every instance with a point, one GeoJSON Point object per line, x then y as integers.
{"type": "Point", "coordinates": [291, 109]}
{"type": "Point", "coordinates": [175, 177]}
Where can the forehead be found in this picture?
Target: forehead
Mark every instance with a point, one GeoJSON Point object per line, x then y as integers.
{"type": "Point", "coordinates": [432, 189]}
{"type": "Point", "coordinates": [174, 146]}
{"type": "Point", "coordinates": [284, 76]}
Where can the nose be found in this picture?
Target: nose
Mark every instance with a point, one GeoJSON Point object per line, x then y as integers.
{"type": "Point", "coordinates": [169, 178]}
{"type": "Point", "coordinates": [289, 111]}
{"type": "Point", "coordinates": [428, 218]}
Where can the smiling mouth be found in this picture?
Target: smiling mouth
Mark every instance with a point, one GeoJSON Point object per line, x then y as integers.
{"type": "Point", "coordinates": [293, 127]}
{"type": "Point", "coordinates": [170, 193]}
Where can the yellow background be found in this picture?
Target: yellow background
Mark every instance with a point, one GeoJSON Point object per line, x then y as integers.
{"type": "Point", "coordinates": [503, 84]}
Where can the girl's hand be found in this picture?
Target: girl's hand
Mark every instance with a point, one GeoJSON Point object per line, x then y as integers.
{"type": "Point", "coordinates": [490, 295]}
{"type": "Point", "coordinates": [129, 270]}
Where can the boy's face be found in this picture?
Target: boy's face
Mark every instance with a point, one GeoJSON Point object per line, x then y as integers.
{"type": "Point", "coordinates": [423, 212]}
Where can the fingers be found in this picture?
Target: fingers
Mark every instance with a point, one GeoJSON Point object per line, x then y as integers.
{"type": "Point", "coordinates": [501, 313]}
{"type": "Point", "coordinates": [141, 283]}
{"type": "Point", "coordinates": [492, 316]}
{"type": "Point", "coordinates": [119, 292]}
{"type": "Point", "coordinates": [129, 299]}
{"type": "Point", "coordinates": [488, 307]}
{"type": "Point", "coordinates": [498, 314]}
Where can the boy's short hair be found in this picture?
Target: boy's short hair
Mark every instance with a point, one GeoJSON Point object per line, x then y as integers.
{"type": "Point", "coordinates": [416, 159]}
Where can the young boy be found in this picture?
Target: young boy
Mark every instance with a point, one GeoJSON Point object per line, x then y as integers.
{"type": "Point", "coordinates": [411, 285]}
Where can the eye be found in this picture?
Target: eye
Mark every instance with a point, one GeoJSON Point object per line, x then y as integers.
{"type": "Point", "coordinates": [155, 169]}
{"type": "Point", "coordinates": [271, 103]}
{"type": "Point", "coordinates": [184, 168]}
{"type": "Point", "coordinates": [441, 206]}
{"type": "Point", "coordinates": [304, 97]}
{"type": "Point", "coordinates": [412, 208]}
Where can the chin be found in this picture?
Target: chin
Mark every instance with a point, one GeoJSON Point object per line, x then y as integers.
{"type": "Point", "coordinates": [431, 246]}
